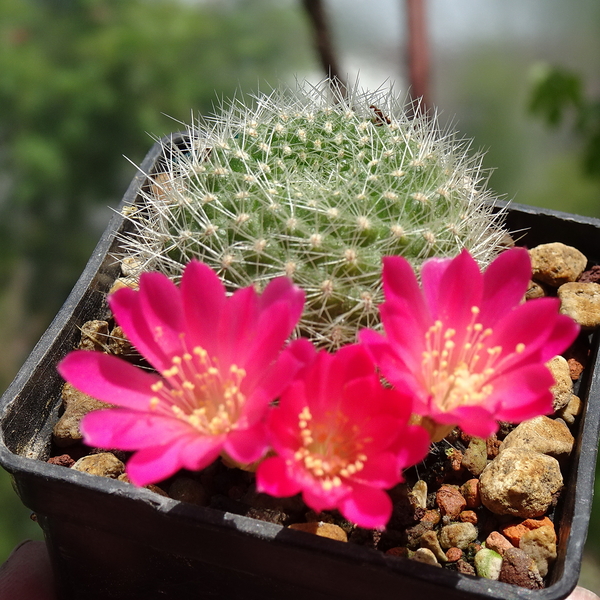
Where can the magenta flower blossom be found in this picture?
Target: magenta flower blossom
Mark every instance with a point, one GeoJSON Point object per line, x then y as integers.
{"type": "Point", "coordinates": [341, 438]}
{"type": "Point", "coordinates": [464, 343]}
{"type": "Point", "coordinates": [219, 364]}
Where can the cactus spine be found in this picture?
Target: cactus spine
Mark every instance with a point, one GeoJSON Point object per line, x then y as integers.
{"type": "Point", "coordinates": [319, 188]}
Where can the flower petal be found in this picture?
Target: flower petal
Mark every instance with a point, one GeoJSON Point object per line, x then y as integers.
{"type": "Point", "coordinates": [401, 286]}
{"type": "Point", "coordinates": [125, 305]}
{"type": "Point", "coordinates": [248, 445]}
{"type": "Point", "coordinates": [127, 429]}
{"type": "Point", "coordinates": [272, 477]}
{"type": "Point", "coordinates": [108, 378]}
{"type": "Point", "coordinates": [156, 463]}
{"type": "Point", "coordinates": [505, 282]}
{"type": "Point", "coordinates": [203, 299]}
{"type": "Point", "coordinates": [461, 288]}
{"type": "Point", "coordinates": [367, 507]}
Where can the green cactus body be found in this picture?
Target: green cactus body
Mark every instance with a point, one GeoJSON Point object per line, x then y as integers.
{"type": "Point", "coordinates": [318, 188]}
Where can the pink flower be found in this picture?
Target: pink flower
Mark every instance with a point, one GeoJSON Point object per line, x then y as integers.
{"type": "Point", "coordinates": [219, 364]}
{"type": "Point", "coordinates": [465, 345]}
{"type": "Point", "coordinates": [341, 438]}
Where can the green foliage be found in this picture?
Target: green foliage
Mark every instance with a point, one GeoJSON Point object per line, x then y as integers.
{"type": "Point", "coordinates": [557, 93]}
{"type": "Point", "coordinates": [317, 188]}
{"type": "Point", "coordinates": [84, 82]}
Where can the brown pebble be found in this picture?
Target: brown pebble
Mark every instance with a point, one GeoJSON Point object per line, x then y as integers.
{"type": "Point", "coordinates": [454, 554]}
{"type": "Point", "coordinates": [455, 458]}
{"type": "Point", "coordinates": [327, 530]}
{"type": "Point", "coordinates": [432, 516]}
{"type": "Point", "coordinates": [450, 501]}
{"type": "Point", "coordinates": [492, 446]}
{"type": "Point", "coordinates": [497, 542]}
{"type": "Point", "coordinates": [94, 336]}
{"type": "Point", "coordinates": [591, 275]}
{"type": "Point", "coordinates": [398, 551]}
{"type": "Point", "coordinates": [468, 516]}
{"type": "Point", "coordinates": [470, 492]}
{"type": "Point", "coordinates": [64, 460]}
{"type": "Point", "coordinates": [464, 567]}
{"type": "Point", "coordinates": [519, 569]}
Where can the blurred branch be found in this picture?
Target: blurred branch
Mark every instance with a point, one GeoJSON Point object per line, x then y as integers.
{"type": "Point", "coordinates": [322, 36]}
{"type": "Point", "coordinates": [418, 52]}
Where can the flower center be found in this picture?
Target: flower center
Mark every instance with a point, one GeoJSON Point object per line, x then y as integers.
{"type": "Point", "coordinates": [197, 391]}
{"type": "Point", "coordinates": [329, 449]}
{"type": "Point", "coordinates": [457, 368]}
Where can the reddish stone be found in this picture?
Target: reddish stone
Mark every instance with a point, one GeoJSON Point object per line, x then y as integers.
{"type": "Point", "coordinates": [432, 516]}
{"type": "Point", "coordinates": [455, 458]}
{"type": "Point", "coordinates": [493, 446]}
{"type": "Point", "coordinates": [470, 492]}
{"type": "Point", "coordinates": [497, 542]}
{"type": "Point", "coordinates": [64, 460]}
{"type": "Point", "coordinates": [454, 554]}
{"type": "Point", "coordinates": [468, 516]}
{"type": "Point", "coordinates": [450, 501]}
{"type": "Point", "coordinates": [514, 532]}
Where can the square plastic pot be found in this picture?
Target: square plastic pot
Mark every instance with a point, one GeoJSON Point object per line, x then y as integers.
{"type": "Point", "coordinates": [110, 540]}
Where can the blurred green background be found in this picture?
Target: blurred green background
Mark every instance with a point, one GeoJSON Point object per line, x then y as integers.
{"type": "Point", "coordinates": [84, 83]}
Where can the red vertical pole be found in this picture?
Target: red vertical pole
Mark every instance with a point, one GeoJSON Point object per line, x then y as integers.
{"type": "Point", "coordinates": [418, 52]}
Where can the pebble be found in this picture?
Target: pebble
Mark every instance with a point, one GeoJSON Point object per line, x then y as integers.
{"type": "Point", "coordinates": [104, 464]}
{"type": "Point", "coordinates": [432, 516]}
{"type": "Point", "coordinates": [400, 551]}
{"type": "Point", "coordinates": [556, 263]}
{"type": "Point", "coordinates": [124, 282]}
{"type": "Point", "coordinates": [454, 554]}
{"type": "Point", "coordinates": [328, 530]}
{"type": "Point", "coordinates": [426, 556]}
{"type": "Point", "coordinates": [535, 290]}
{"type": "Point", "coordinates": [487, 563]}
{"type": "Point", "coordinates": [462, 566]}
{"type": "Point", "coordinates": [570, 412]}
{"type": "Point", "coordinates": [468, 516]}
{"type": "Point", "coordinates": [430, 541]}
{"type": "Point", "coordinates": [186, 489]}
{"type": "Point", "coordinates": [497, 542]}
{"type": "Point", "coordinates": [592, 275]}
{"type": "Point", "coordinates": [563, 387]}
{"type": "Point", "coordinates": [493, 446]}
{"type": "Point", "coordinates": [513, 532]}
{"type": "Point", "coordinates": [457, 535]}
{"type": "Point", "coordinates": [76, 404]}
{"type": "Point", "coordinates": [519, 569]}
{"type": "Point", "coordinates": [475, 458]}
{"type": "Point", "coordinates": [581, 302]}
{"type": "Point", "coordinates": [131, 266]}
{"type": "Point", "coordinates": [63, 460]}
{"type": "Point", "coordinates": [540, 545]}
{"type": "Point", "coordinates": [94, 335]}
{"type": "Point", "coordinates": [470, 492]}
{"type": "Point", "coordinates": [543, 435]}
{"type": "Point", "coordinates": [419, 493]}
{"type": "Point", "coordinates": [450, 501]}
{"type": "Point", "coordinates": [119, 344]}
{"type": "Point", "coordinates": [520, 482]}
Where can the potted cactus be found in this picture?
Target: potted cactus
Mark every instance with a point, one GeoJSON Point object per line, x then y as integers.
{"type": "Point", "coordinates": [290, 207]}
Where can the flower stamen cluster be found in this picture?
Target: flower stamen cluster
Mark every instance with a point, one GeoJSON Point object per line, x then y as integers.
{"type": "Point", "coordinates": [195, 390]}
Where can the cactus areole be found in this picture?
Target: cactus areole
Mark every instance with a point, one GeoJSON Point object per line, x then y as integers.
{"type": "Point", "coordinates": [316, 187]}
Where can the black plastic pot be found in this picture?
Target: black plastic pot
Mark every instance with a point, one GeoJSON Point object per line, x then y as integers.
{"type": "Point", "coordinates": [108, 539]}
